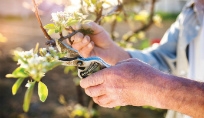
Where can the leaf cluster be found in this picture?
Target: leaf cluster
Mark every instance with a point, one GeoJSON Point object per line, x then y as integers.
{"type": "Point", "coordinates": [63, 21]}
{"type": "Point", "coordinates": [33, 65]}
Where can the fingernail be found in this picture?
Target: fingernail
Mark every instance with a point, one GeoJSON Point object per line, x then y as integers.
{"type": "Point", "coordinates": [89, 45]}
{"type": "Point", "coordinates": [87, 25]}
{"type": "Point", "coordinates": [84, 41]}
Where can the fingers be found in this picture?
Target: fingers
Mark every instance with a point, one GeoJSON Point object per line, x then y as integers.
{"type": "Point", "coordinates": [80, 42]}
{"type": "Point", "coordinates": [95, 91]}
{"type": "Point", "coordinates": [78, 37]}
{"type": "Point", "coordinates": [83, 44]}
{"type": "Point", "coordinates": [102, 100]}
{"type": "Point", "coordinates": [86, 51]}
{"type": "Point", "coordinates": [91, 81]}
{"type": "Point", "coordinates": [105, 101]}
{"type": "Point", "coordinates": [93, 26]}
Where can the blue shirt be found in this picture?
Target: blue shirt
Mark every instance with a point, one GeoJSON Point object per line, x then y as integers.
{"type": "Point", "coordinates": [170, 55]}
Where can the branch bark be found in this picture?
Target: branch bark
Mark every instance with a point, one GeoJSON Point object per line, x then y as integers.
{"type": "Point", "coordinates": [150, 22]}
{"type": "Point", "coordinates": [40, 22]}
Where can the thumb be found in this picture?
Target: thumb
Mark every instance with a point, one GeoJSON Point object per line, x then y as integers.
{"type": "Point", "coordinates": [91, 80]}
{"type": "Point", "coordinates": [93, 26]}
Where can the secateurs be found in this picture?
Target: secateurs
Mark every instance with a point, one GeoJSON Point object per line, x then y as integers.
{"type": "Point", "coordinates": [86, 66]}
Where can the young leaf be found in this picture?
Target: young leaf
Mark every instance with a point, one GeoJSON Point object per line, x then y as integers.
{"type": "Point", "coordinates": [71, 22]}
{"type": "Point", "coordinates": [28, 95]}
{"type": "Point", "coordinates": [50, 26]}
{"type": "Point", "coordinates": [18, 73]}
{"type": "Point", "coordinates": [16, 85]}
{"type": "Point", "coordinates": [87, 2]}
{"type": "Point", "coordinates": [10, 76]}
{"type": "Point", "coordinates": [42, 91]}
{"type": "Point", "coordinates": [51, 31]}
{"type": "Point", "coordinates": [93, 1]}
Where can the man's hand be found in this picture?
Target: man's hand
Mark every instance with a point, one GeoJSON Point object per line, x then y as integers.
{"type": "Point", "coordinates": [133, 82]}
{"type": "Point", "coordinates": [127, 83]}
{"type": "Point", "coordinates": [98, 44]}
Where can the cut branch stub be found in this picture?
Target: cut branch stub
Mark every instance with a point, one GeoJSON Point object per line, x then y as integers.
{"type": "Point", "coordinates": [51, 43]}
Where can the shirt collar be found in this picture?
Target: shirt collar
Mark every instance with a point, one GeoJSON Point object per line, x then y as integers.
{"type": "Point", "coordinates": [191, 4]}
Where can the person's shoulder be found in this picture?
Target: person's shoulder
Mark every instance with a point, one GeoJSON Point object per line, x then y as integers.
{"type": "Point", "coordinates": [189, 4]}
{"type": "Point", "coordinates": [188, 9]}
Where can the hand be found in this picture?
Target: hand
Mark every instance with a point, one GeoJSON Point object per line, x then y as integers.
{"type": "Point", "coordinates": [130, 82]}
{"type": "Point", "coordinates": [98, 44]}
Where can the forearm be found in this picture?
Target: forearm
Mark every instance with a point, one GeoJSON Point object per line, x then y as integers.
{"type": "Point", "coordinates": [183, 95]}
{"type": "Point", "coordinates": [113, 54]}
{"type": "Point", "coordinates": [120, 54]}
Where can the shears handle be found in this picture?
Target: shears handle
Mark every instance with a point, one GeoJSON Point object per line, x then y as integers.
{"type": "Point", "coordinates": [87, 66]}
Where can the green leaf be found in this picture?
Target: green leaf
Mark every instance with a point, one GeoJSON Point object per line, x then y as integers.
{"type": "Point", "coordinates": [51, 31]}
{"type": "Point", "coordinates": [93, 1]}
{"type": "Point", "coordinates": [28, 95]}
{"type": "Point", "coordinates": [50, 26]}
{"type": "Point", "coordinates": [16, 85]}
{"type": "Point", "coordinates": [42, 91]}
{"type": "Point", "coordinates": [9, 76]}
{"type": "Point", "coordinates": [57, 30]}
{"type": "Point", "coordinates": [18, 73]}
{"type": "Point", "coordinates": [87, 2]}
{"type": "Point", "coordinates": [71, 22]}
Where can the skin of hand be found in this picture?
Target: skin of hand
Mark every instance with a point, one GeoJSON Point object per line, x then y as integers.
{"type": "Point", "coordinates": [122, 84]}
{"type": "Point", "coordinates": [98, 44]}
{"type": "Point", "coordinates": [133, 82]}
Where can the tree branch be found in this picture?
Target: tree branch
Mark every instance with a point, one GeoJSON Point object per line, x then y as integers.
{"type": "Point", "coordinates": [146, 26]}
{"type": "Point", "coordinates": [39, 21]}
{"type": "Point", "coordinates": [113, 26]}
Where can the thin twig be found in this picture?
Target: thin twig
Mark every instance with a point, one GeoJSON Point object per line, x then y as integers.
{"type": "Point", "coordinates": [90, 106]}
{"type": "Point", "coordinates": [100, 16]}
{"type": "Point", "coordinates": [39, 21]}
{"type": "Point", "coordinates": [113, 26]}
{"type": "Point", "coordinates": [146, 26]}
{"type": "Point", "coordinates": [61, 35]}
{"type": "Point", "coordinates": [69, 36]}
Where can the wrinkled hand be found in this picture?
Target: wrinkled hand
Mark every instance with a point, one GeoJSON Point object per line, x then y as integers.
{"type": "Point", "coordinates": [130, 82]}
{"type": "Point", "coordinates": [98, 44]}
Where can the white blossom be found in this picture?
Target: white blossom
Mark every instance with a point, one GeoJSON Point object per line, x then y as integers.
{"type": "Point", "coordinates": [20, 62]}
{"type": "Point", "coordinates": [48, 55]}
{"type": "Point", "coordinates": [33, 72]}
{"type": "Point", "coordinates": [44, 50]}
{"type": "Point", "coordinates": [56, 57]}
{"type": "Point", "coordinates": [35, 64]}
{"type": "Point", "coordinates": [28, 53]}
{"type": "Point", "coordinates": [25, 66]}
{"type": "Point", "coordinates": [31, 61]}
{"type": "Point", "coordinates": [51, 48]}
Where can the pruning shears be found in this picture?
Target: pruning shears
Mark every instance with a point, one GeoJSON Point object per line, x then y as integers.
{"type": "Point", "coordinates": [86, 66]}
